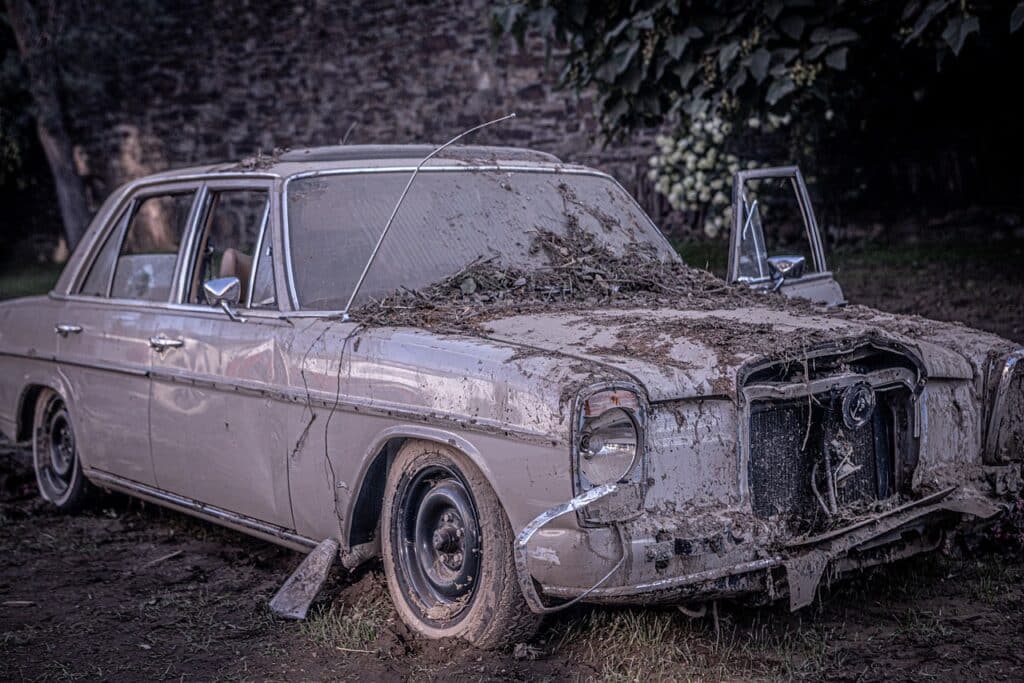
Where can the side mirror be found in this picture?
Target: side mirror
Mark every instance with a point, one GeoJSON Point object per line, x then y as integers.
{"type": "Point", "coordinates": [226, 293]}
{"type": "Point", "coordinates": [786, 268]}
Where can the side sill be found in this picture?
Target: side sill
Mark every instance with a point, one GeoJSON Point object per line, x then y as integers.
{"type": "Point", "coordinates": [232, 520]}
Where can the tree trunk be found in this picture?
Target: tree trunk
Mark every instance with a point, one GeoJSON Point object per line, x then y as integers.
{"type": "Point", "coordinates": [36, 49]}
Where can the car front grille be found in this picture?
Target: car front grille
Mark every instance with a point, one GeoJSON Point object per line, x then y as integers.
{"type": "Point", "coordinates": [807, 465]}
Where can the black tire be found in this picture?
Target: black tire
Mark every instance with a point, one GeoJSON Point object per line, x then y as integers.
{"type": "Point", "coordinates": [55, 455]}
{"type": "Point", "coordinates": [447, 547]}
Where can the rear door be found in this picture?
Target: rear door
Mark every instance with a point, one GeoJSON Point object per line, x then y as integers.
{"type": "Point", "coordinates": [215, 422]}
{"type": "Point", "coordinates": [105, 329]}
{"type": "Point", "coordinates": [775, 242]}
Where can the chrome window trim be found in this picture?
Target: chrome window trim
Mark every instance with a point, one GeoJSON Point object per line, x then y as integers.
{"type": "Point", "coordinates": [133, 189]}
{"type": "Point", "coordinates": [258, 256]}
{"type": "Point", "coordinates": [514, 168]}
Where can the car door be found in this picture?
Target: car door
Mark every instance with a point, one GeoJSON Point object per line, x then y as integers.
{"type": "Point", "coordinates": [775, 243]}
{"type": "Point", "coordinates": [215, 422]}
{"type": "Point", "coordinates": [105, 329]}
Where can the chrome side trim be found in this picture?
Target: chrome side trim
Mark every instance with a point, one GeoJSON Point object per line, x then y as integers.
{"type": "Point", "coordinates": [998, 414]}
{"type": "Point", "coordinates": [211, 512]}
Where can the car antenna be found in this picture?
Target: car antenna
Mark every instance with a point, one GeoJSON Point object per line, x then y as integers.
{"type": "Point", "coordinates": [398, 204]}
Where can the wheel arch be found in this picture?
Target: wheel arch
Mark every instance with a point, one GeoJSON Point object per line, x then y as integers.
{"type": "Point", "coordinates": [27, 400]}
{"type": "Point", "coordinates": [364, 511]}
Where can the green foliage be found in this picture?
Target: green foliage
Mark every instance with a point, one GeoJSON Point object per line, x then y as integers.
{"type": "Point", "coordinates": [650, 61]}
{"type": "Point", "coordinates": [775, 78]}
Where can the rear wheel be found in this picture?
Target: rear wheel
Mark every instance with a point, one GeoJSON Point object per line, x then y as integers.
{"type": "Point", "coordinates": [447, 548]}
{"type": "Point", "coordinates": [55, 454]}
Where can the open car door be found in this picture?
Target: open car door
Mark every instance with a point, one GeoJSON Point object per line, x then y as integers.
{"type": "Point", "coordinates": [775, 244]}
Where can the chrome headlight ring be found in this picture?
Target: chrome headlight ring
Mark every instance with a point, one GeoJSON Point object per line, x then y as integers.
{"type": "Point", "coordinates": [608, 436]}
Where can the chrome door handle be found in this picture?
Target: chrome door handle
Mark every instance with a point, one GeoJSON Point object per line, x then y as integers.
{"type": "Point", "coordinates": [162, 343]}
{"type": "Point", "coordinates": [63, 329]}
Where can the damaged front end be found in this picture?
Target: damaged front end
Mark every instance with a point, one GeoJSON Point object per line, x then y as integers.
{"type": "Point", "coordinates": [819, 466]}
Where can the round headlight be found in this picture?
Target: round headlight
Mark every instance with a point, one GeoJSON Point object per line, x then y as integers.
{"type": "Point", "coordinates": [608, 447]}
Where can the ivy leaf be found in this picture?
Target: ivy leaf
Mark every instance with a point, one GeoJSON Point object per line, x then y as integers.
{"type": "Point", "coordinates": [793, 26]}
{"type": "Point", "coordinates": [842, 35]}
{"type": "Point", "coordinates": [676, 44]}
{"type": "Point", "coordinates": [759, 61]}
{"type": "Point", "coordinates": [737, 81]}
{"type": "Point", "coordinates": [837, 59]}
{"type": "Point", "coordinates": [780, 88]}
{"type": "Point", "coordinates": [957, 31]}
{"type": "Point", "coordinates": [1017, 18]}
{"type": "Point", "coordinates": [685, 73]}
{"type": "Point", "coordinates": [727, 54]}
{"type": "Point", "coordinates": [816, 51]}
{"type": "Point", "coordinates": [925, 18]}
{"type": "Point", "coordinates": [624, 56]}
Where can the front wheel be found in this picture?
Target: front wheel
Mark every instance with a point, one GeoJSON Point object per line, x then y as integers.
{"type": "Point", "coordinates": [447, 548]}
{"type": "Point", "coordinates": [55, 454]}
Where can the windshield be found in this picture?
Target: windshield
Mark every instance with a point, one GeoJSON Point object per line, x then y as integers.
{"type": "Point", "coordinates": [449, 220]}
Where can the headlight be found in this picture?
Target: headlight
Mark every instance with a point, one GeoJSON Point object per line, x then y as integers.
{"type": "Point", "coordinates": [608, 443]}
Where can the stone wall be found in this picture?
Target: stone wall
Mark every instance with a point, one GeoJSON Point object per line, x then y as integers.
{"type": "Point", "coordinates": [218, 81]}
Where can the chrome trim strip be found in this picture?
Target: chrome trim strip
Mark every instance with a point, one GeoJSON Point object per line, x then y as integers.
{"type": "Point", "coordinates": [286, 228]}
{"type": "Point", "coordinates": [183, 269]}
{"type": "Point", "coordinates": [522, 559]}
{"type": "Point", "coordinates": [258, 254]}
{"type": "Point", "coordinates": [995, 421]}
{"type": "Point", "coordinates": [211, 512]}
{"type": "Point", "coordinates": [327, 399]}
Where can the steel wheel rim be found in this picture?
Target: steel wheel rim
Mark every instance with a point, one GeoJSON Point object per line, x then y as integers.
{"type": "Point", "coordinates": [56, 458]}
{"type": "Point", "coordinates": [436, 532]}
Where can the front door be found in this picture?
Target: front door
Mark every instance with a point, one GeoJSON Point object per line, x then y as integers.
{"type": "Point", "coordinates": [216, 427]}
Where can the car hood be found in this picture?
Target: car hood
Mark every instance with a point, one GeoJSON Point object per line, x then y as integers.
{"type": "Point", "coordinates": [678, 353]}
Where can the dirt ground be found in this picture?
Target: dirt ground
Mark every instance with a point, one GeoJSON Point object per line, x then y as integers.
{"type": "Point", "coordinates": [129, 592]}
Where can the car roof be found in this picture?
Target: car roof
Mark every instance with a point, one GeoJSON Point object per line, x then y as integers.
{"type": "Point", "coordinates": [285, 163]}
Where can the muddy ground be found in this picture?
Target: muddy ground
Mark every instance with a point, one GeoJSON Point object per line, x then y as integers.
{"type": "Point", "coordinates": [131, 592]}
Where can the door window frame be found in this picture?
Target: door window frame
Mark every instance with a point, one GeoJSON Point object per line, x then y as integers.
{"type": "Point", "coordinates": [183, 280]}
{"type": "Point", "coordinates": [793, 174]}
{"type": "Point", "coordinates": [117, 228]}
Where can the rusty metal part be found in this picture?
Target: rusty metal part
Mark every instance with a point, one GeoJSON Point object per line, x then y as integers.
{"type": "Point", "coordinates": [533, 599]}
{"type": "Point", "coordinates": [299, 590]}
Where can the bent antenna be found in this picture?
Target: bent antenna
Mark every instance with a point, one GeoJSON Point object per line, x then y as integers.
{"type": "Point", "coordinates": [398, 204]}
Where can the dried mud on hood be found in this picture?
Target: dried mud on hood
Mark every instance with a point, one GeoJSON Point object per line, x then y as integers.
{"type": "Point", "coordinates": [658, 320]}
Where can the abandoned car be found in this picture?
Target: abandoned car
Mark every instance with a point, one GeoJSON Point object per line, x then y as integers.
{"type": "Point", "coordinates": [491, 370]}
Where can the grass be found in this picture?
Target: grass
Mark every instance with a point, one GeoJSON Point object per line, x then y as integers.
{"type": "Point", "coordinates": [347, 627]}
{"type": "Point", "coordinates": [28, 280]}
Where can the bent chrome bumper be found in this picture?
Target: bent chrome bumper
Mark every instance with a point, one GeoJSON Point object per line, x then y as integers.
{"type": "Point", "coordinates": [894, 534]}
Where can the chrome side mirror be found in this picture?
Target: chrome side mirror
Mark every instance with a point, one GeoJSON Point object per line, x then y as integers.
{"type": "Point", "coordinates": [226, 293]}
{"type": "Point", "coordinates": [786, 268]}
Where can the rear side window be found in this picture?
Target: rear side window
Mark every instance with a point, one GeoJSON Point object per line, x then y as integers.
{"type": "Point", "coordinates": [98, 281]}
{"type": "Point", "coordinates": [149, 251]}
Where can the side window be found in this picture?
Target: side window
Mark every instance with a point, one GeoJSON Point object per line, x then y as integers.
{"type": "Point", "coordinates": [145, 264]}
{"type": "Point", "coordinates": [772, 224]}
{"type": "Point", "coordinates": [232, 244]}
{"type": "Point", "coordinates": [97, 282]}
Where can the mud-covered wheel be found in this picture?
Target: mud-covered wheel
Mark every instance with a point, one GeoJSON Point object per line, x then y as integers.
{"type": "Point", "coordinates": [55, 454]}
{"type": "Point", "coordinates": [447, 547]}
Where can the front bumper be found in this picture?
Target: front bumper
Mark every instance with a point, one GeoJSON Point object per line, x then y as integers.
{"type": "Point", "coordinates": [626, 571]}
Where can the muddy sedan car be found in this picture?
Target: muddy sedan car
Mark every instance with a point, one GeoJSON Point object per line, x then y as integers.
{"type": "Point", "coordinates": [523, 398]}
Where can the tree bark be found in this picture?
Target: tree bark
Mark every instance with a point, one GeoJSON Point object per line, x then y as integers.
{"type": "Point", "coordinates": [35, 46]}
